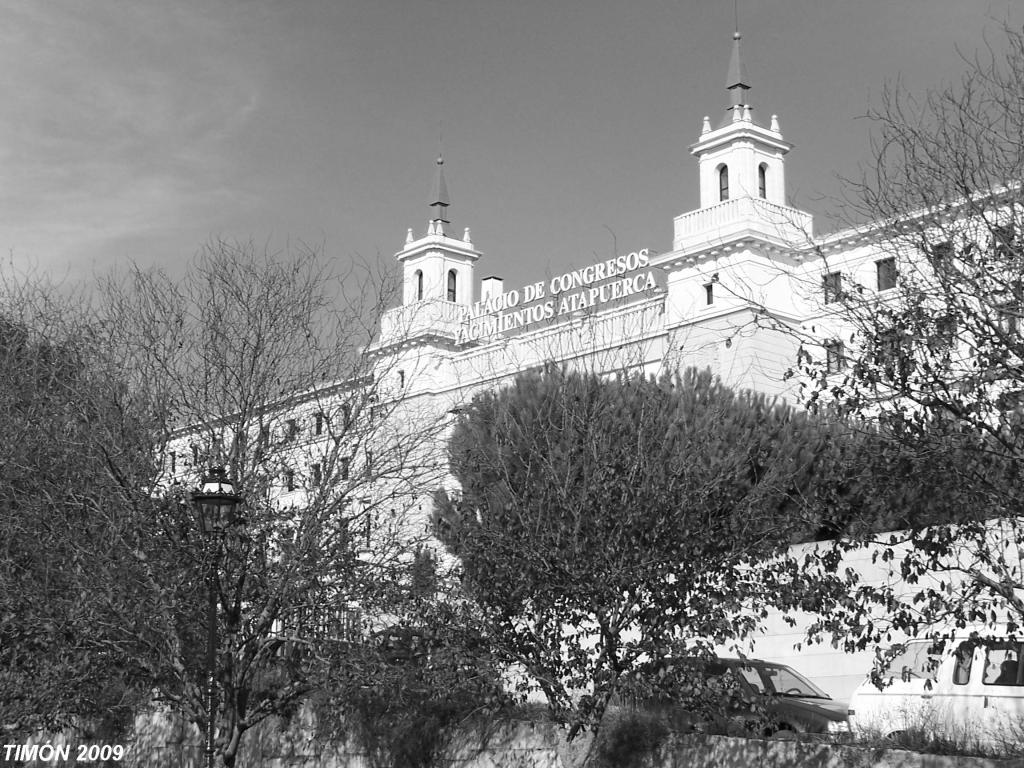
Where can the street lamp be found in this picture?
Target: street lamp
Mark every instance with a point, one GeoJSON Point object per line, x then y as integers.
{"type": "Point", "coordinates": [216, 505]}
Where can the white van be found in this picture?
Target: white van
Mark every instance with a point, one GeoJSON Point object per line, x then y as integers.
{"type": "Point", "coordinates": [971, 693]}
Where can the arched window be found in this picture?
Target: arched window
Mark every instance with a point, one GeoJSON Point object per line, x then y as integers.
{"type": "Point", "coordinates": [762, 180]}
{"type": "Point", "coordinates": [419, 285]}
{"type": "Point", "coordinates": [723, 182]}
{"type": "Point", "coordinates": [451, 284]}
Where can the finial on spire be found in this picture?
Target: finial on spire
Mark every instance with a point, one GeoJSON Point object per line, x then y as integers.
{"type": "Point", "coordinates": [439, 199]}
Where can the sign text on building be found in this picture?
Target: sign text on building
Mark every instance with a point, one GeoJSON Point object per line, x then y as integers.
{"type": "Point", "coordinates": [561, 295]}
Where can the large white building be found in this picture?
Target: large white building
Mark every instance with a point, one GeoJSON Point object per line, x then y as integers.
{"type": "Point", "coordinates": [744, 283]}
{"type": "Point", "coordinates": [744, 286]}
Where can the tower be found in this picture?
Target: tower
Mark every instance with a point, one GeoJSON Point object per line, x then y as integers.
{"type": "Point", "coordinates": [733, 259]}
{"type": "Point", "coordinates": [740, 158]}
{"type": "Point", "coordinates": [437, 279]}
{"type": "Point", "coordinates": [438, 266]}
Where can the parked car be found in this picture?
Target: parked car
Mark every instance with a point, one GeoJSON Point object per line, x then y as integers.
{"type": "Point", "coordinates": [970, 692]}
{"type": "Point", "coordinates": [770, 698]}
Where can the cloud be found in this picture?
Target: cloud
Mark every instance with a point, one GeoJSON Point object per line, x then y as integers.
{"type": "Point", "coordinates": [117, 120]}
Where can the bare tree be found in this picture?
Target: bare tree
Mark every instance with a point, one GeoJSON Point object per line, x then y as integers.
{"type": "Point", "coordinates": [936, 353]}
{"type": "Point", "coordinates": [257, 362]}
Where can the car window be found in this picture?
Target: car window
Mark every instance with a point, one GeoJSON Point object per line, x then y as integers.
{"type": "Point", "coordinates": [1002, 664]}
{"type": "Point", "coordinates": [786, 682]}
{"type": "Point", "coordinates": [752, 677]}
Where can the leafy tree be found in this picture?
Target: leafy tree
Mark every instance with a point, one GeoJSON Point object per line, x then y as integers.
{"type": "Point", "coordinates": [419, 679]}
{"type": "Point", "coordinates": [605, 525]}
{"type": "Point", "coordinates": [64, 590]}
{"type": "Point", "coordinates": [937, 359]}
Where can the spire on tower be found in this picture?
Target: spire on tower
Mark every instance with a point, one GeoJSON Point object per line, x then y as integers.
{"type": "Point", "coordinates": [439, 199]}
{"type": "Point", "coordinates": [737, 84]}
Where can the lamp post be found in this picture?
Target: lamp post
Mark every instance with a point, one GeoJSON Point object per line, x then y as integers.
{"type": "Point", "coordinates": [216, 504]}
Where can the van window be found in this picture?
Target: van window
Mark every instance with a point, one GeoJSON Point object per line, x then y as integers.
{"type": "Point", "coordinates": [914, 661]}
{"type": "Point", "coordinates": [962, 668]}
{"type": "Point", "coordinates": [1002, 664]}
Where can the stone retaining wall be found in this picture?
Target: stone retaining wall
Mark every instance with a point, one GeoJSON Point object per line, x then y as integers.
{"type": "Point", "coordinates": [162, 741]}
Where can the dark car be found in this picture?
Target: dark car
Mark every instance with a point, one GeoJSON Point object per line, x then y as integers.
{"type": "Point", "coordinates": [763, 696]}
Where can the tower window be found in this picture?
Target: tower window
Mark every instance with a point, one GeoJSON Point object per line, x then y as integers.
{"type": "Point", "coordinates": [762, 180]}
{"type": "Point", "coordinates": [709, 293]}
{"type": "Point", "coordinates": [723, 182]}
{"type": "Point", "coordinates": [419, 285]}
{"type": "Point", "coordinates": [452, 278]}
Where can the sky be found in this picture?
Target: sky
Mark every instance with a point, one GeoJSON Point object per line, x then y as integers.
{"type": "Point", "coordinates": [137, 130]}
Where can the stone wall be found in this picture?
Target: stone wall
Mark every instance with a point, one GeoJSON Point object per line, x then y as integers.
{"type": "Point", "coordinates": [162, 741]}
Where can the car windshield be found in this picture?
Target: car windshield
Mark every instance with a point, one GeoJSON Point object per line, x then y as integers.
{"type": "Point", "coordinates": [783, 681]}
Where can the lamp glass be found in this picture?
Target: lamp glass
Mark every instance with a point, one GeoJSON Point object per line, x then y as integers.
{"type": "Point", "coordinates": [216, 503]}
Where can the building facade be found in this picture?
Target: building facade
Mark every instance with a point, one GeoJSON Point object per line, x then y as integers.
{"type": "Point", "coordinates": [745, 289]}
{"type": "Point", "coordinates": [745, 286]}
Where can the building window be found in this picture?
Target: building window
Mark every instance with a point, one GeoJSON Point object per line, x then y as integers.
{"type": "Point", "coordinates": [885, 272]}
{"type": "Point", "coordinates": [289, 480]}
{"type": "Point", "coordinates": [316, 475]}
{"type": "Point", "coordinates": [835, 356]}
{"type": "Point", "coordinates": [1003, 241]}
{"type": "Point", "coordinates": [893, 355]}
{"type": "Point", "coordinates": [945, 334]}
{"type": "Point", "coordinates": [1011, 400]}
{"type": "Point", "coordinates": [318, 425]}
{"type": "Point", "coordinates": [368, 469]}
{"type": "Point", "coordinates": [346, 416]}
{"type": "Point", "coordinates": [1008, 318]}
{"type": "Point", "coordinates": [174, 462]}
{"type": "Point", "coordinates": [452, 282]}
{"type": "Point", "coordinates": [942, 255]}
{"type": "Point", "coordinates": [419, 284]}
{"type": "Point", "coordinates": [291, 429]}
{"type": "Point", "coordinates": [401, 379]}
{"type": "Point", "coordinates": [344, 462]}
{"type": "Point", "coordinates": [762, 180]}
{"type": "Point", "coordinates": [723, 182]}
{"type": "Point", "coordinates": [832, 284]}
{"type": "Point", "coordinates": [709, 293]}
